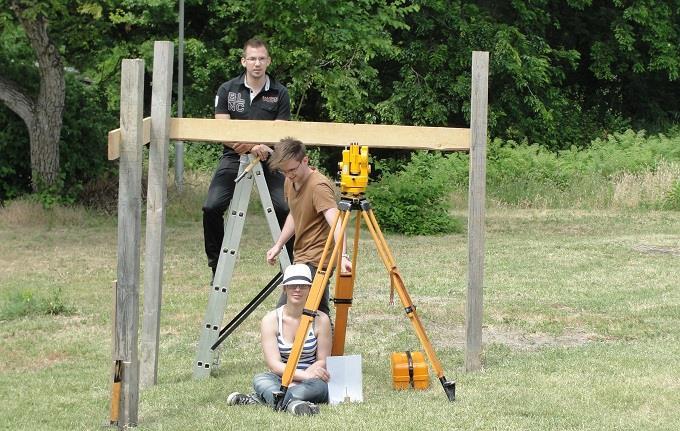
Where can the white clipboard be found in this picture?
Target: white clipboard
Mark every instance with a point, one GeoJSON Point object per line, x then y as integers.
{"type": "Point", "coordinates": [345, 383]}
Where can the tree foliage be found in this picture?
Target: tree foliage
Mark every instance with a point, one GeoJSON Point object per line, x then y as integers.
{"type": "Point", "coordinates": [561, 73]}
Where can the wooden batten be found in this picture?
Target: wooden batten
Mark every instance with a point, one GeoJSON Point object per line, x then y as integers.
{"type": "Point", "coordinates": [311, 133]}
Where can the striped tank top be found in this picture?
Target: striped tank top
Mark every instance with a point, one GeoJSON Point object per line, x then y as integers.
{"type": "Point", "coordinates": [308, 354]}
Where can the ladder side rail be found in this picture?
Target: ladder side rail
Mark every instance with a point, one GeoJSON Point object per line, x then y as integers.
{"type": "Point", "coordinates": [217, 300]}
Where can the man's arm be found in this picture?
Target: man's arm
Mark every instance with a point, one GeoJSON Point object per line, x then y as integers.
{"type": "Point", "coordinates": [239, 147]}
{"type": "Point", "coordinates": [287, 233]}
{"type": "Point", "coordinates": [330, 215]}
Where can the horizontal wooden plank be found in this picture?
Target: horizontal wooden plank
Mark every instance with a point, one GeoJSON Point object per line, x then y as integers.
{"type": "Point", "coordinates": [313, 134]}
{"type": "Point", "coordinates": [114, 138]}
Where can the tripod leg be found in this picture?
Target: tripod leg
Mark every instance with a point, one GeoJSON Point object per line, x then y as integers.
{"type": "Point", "coordinates": [311, 306]}
{"type": "Point", "coordinates": [409, 308]}
{"type": "Point", "coordinates": [344, 286]}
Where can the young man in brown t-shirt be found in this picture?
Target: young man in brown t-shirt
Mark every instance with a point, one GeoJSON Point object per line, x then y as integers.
{"type": "Point", "coordinates": [313, 209]}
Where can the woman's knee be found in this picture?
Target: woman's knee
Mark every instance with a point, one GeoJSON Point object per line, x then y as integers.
{"type": "Point", "coordinates": [314, 390]}
{"type": "Point", "coordinates": [265, 381]}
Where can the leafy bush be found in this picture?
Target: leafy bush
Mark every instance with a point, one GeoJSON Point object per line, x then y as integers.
{"type": "Point", "coordinates": [415, 200]}
{"type": "Point", "coordinates": [629, 169]}
{"type": "Point", "coordinates": [529, 175]}
{"type": "Point", "coordinates": [15, 167]}
{"type": "Point", "coordinates": [197, 156]}
{"type": "Point", "coordinates": [83, 137]}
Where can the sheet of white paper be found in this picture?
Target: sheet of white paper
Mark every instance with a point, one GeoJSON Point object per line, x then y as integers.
{"type": "Point", "coordinates": [346, 383]}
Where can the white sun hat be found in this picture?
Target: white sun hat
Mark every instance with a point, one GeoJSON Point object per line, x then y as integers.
{"type": "Point", "coordinates": [297, 274]}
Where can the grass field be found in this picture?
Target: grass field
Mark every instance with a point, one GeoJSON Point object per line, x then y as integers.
{"type": "Point", "coordinates": [581, 318]}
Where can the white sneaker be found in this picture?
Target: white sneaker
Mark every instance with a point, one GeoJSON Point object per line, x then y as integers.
{"type": "Point", "coordinates": [302, 408]}
{"type": "Point", "coordinates": [237, 398]}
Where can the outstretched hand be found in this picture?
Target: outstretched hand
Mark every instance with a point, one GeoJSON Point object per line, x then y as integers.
{"type": "Point", "coordinates": [272, 254]}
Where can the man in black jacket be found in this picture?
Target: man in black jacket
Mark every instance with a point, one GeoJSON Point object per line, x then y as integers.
{"type": "Point", "coordinates": [253, 95]}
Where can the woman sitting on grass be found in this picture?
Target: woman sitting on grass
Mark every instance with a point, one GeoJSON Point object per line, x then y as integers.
{"type": "Point", "coordinates": [309, 386]}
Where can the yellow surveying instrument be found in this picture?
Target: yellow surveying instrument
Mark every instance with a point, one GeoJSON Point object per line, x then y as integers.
{"type": "Point", "coordinates": [354, 170]}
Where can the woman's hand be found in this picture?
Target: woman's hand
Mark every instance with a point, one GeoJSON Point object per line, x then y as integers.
{"type": "Point", "coordinates": [317, 371]}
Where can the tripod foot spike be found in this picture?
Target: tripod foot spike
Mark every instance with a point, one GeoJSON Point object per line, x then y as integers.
{"type": "Point", "coordinates": [449, 388]}
{"type": "Point", "coordinates": [278, 399]}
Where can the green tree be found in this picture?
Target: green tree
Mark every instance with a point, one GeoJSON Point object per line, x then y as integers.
{"type": "Point", "coordinates": [323, 51]}
{"type": "Point", "coordinates": [561, 73]}
{"type": "Point", "coordinates": [41, 112]}
{"type": "Point", "coordinates": [43, 43]}
{"type": "Point", "coordinates": [631, 58]}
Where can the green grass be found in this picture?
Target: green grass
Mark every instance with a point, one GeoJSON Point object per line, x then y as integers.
{"type": "Point", "coordinates": [581, 316]}
{"type": "Point", "coordinates": [24, 302]}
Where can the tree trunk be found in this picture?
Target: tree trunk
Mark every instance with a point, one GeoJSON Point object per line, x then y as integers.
{"type": "Point", "coordinates": [44, 137]}
{"type": "Point", "coordinates": [43, 115]}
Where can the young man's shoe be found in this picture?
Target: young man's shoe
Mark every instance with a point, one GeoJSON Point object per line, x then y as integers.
{"type": "Point", "coordinates": [239, 399]}
{"type": "Point", "coordinates": [302, 408]}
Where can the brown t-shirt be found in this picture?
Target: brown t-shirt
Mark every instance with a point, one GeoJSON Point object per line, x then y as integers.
{"type": "Point", "coordinates": [307, 205]}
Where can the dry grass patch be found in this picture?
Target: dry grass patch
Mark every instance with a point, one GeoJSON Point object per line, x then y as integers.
{"type": "Point", "coordinates": [27, 213]}
{"type": "Point", "coordinates": [657, 249]}
{"type": "Point", "coordinates": [648, 188]}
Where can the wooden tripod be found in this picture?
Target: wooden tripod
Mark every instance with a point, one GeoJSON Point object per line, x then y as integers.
{"type": "Point", "coordinates": [343, 293]}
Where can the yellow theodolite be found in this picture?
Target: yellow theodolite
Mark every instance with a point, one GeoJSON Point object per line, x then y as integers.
{"type": "Point", "coordinates": [354, 170]}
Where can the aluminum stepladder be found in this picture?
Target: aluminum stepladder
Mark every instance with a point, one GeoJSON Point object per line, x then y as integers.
{"type": "Point", "coordinates": [233, 230]}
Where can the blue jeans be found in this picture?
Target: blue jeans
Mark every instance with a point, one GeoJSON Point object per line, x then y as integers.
{"type": "Point", "coordinates": [312, 390]}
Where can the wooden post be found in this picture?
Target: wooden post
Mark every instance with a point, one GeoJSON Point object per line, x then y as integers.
{"type": "Point", "coordinates": [161, 101]}
{"type": "Point", "coordinates": [476, 205]}
{"type": "Point", "coordinates": [129, 221]}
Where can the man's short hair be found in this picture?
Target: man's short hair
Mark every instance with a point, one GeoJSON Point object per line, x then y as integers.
{"type": "Point", "coordinates": [254, 43]}
{"type": "Point", "coordinates": [287, 149]}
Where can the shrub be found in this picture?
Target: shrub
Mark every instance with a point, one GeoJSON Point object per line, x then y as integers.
{"type": "Point", "coordinates": [624, 169]}
{"type": "Point", "coordinates": [197, 156]}
{"type": "Point", "coordinates": [416, 200]}
{"type": "Point", "coordinates": [15, 167]}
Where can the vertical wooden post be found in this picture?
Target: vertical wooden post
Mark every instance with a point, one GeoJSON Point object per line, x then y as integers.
{"type": "Point", "coordinates": [129, 221]}
{"type": "Point", "coordinates": [156, 198]}
{"type": "Point", "coordinates": [476, 205]}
